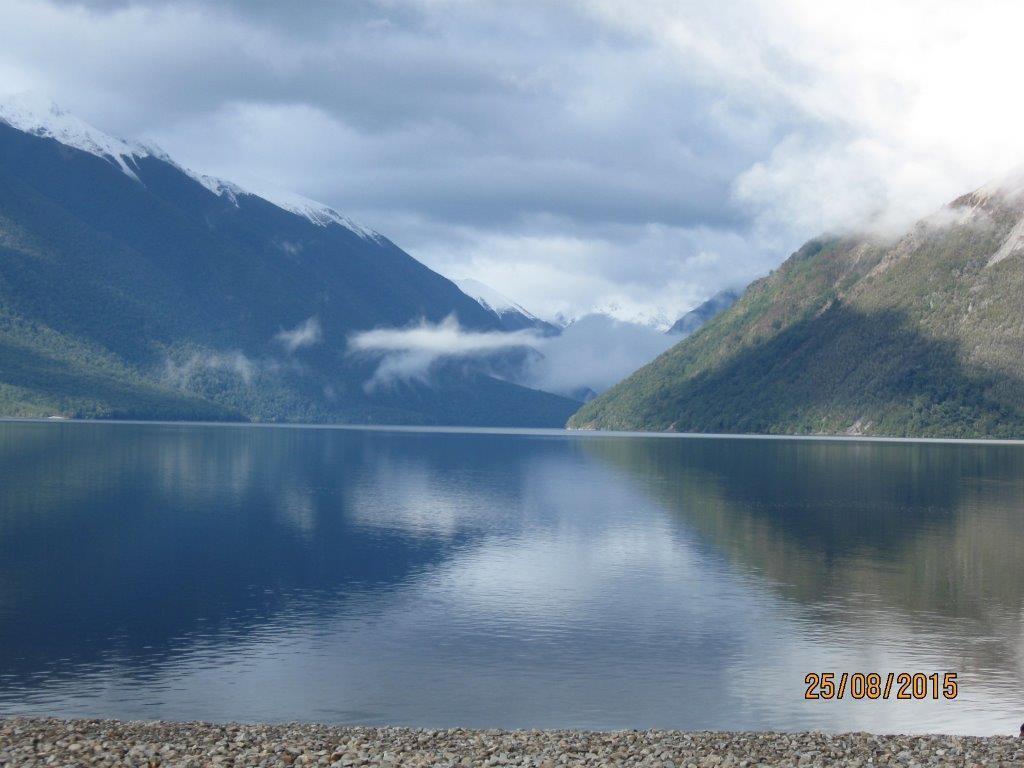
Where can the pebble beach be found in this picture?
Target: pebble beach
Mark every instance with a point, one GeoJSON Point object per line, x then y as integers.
{"type": "Point", "coordinates": [53, 742]}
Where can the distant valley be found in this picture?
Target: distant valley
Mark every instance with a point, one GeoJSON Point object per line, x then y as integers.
{"type": "Point", "coordinates": [132, 287]}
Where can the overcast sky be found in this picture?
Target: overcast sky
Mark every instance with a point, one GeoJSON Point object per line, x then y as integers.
{"type": "Point", "coordinates": [634, 155]}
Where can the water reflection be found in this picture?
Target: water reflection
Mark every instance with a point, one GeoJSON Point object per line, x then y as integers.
{"type": "Point", "coordinates": [502, 580]}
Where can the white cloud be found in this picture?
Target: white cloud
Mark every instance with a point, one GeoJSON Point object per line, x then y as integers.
{"type": "Point", "coordinates": [444, 338]}
{"type": "Point", "coordinates": [408, 353]}
{"type": "Point", "coordinates": [894, 108]}
{"type": "Point", "coordinates": [648, 274]}
{"type": "Point", "coordinates": [306, 334]}
{"type": "Point", "coordinates": [594, 352]}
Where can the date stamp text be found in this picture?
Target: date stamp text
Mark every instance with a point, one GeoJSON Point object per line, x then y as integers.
{"type": "Point", "coordinates": [908, 686]}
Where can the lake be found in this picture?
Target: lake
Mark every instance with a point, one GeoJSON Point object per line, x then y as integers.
{"type": "Point", "coordinates": [504, 579]}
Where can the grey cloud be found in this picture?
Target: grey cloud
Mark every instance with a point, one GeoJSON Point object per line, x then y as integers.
{"type": "Point", "coordinates": [422, 119]}
{"type": "Point", "coordinates": [445, 111]}
{"type": "Point", "coordinates": [680, 147]}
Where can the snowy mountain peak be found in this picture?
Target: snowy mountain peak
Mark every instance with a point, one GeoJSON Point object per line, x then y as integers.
{"type": "Point", "coordinates": [512, 316]}
{"type": "Point", "coordinates": [35, 114]}
{"type": "Point", "coordinates": [489, 298]}
{"type": "Point", "coordinates": [318, 213]}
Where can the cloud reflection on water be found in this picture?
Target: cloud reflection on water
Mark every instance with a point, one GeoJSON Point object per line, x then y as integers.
{"type": "Point", "coordinates": [488, 580]}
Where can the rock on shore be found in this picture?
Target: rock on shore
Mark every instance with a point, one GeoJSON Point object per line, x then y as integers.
{"type": "Point", "coordinates": [52, 742]}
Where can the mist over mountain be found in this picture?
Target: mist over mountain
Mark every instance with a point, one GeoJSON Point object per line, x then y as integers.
{"type": "Point", "coordinates": [580, 358]}
{"type": "Point", "coordinates": [133, 287]}
{"type": "Point", "coordinates": [591, 354]}
{"type": "Point", "coordinates": [917, 335]}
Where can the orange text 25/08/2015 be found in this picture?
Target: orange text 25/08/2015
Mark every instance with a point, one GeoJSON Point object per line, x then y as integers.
{"type": "Point", "coordinates": [872, 685]}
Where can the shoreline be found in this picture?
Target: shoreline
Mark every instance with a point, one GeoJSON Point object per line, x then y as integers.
{"type": "Point", "coordinates": [35, 741]}
{"type": "Point", "coordinates": [576, 432]}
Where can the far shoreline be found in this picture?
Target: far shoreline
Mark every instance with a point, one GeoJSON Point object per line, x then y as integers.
{"type": "Point", "coordinates": [524, 431]}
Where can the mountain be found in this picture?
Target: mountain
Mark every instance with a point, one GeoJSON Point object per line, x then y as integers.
{"type": "Point", "coordinates": [919, 335]}
{"type": "Point", "coordinates": [131, 287]}
{"type": "Point", "coordinates": [511, 316]}
{"type": "Point", "coordinates": [696, 317]}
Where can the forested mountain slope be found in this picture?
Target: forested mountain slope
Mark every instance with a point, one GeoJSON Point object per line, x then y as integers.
{"type": "Point", "coordinates": [920, 335]}
{"type": "Point", "coordinates": [131, 287]}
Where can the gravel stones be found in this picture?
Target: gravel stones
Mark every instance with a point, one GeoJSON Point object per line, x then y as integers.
{"type": "Point", "coordinates": [53, 742]}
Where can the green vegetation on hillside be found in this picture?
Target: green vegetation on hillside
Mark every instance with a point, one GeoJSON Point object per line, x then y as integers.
{"type": "Point", "coordinates": [923, 336]}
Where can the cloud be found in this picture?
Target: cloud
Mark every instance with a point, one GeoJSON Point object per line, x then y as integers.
{"type": "Point", "coordinates": [595, 352]}
{"type": "Point", "coordinates": [418, 118]}
{"type": "Point", "coordinates": [577, 155]}
{"type": "Point", "coordinates": [409, 353]}
{"type": "Point", "coordinates": [305, 334]}
{"type": "Point", "coordinates": [234, 362]}
{"type": "Point", "coordinates": [444, 338]}
{"type": "Point", "coordinates": [646, 274]}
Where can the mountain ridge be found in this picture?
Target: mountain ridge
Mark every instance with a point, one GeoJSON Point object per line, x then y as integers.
{"type": "Point", "coordinates": [511, 316]}
{"type": "Point", "coordinates": [37, 115]}
{"type": "Point", "coordinates": [921, 335]}
{"type": "Point", "coordinates": [144, 293]}
{"type": "Point", "coordinates": [696, 317]}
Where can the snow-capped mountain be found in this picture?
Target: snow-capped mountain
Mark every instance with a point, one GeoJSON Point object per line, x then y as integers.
{"type": "Point", "coordinates": [512, 316]}
{"type": "Point", "coordinates": [35, 114]}
{"type": "Point", "coordinates": [649, 317]}
{"type": "Point", "coordinates": [132, 287]}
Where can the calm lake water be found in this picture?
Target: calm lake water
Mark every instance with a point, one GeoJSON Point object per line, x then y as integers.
{"type": "Point", "coordinates": [504, 580]}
